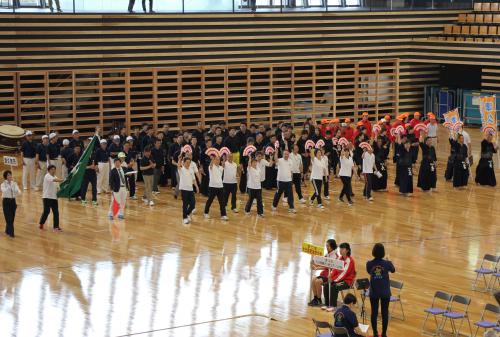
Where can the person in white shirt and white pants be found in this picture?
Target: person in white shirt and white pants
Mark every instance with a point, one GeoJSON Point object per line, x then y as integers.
{"type": "Point", "coordinates": [10, 191]}
{"type": "Point", "coordinates": [368, 169]}
{"type": "Point", "coordinates": [216, 188]}
{"type": "Point", "coordinates": [229, 182]}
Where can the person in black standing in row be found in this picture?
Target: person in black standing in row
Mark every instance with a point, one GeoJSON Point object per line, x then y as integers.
{"type": "Point", "coordinates": [485, 172]}
{"type": "Point", "coordinates": [76, 140]}
{"type": "Point", "coordinates": [173, 153]}
{"type": "Point", "coordinates": [427, 176]}
{"type": "Point", "coordinates": [404, 167]}
{"type": "Point", "coordinates": [159, 159]}
{"type": "Point", "coordinates": [128, 166]}
{"type": "Point", "coordinates": [461, 162]}
{"type": "Point", "coordinates": [90, 177]}
{"type": "Point", "coordinates": [10, 191]}
{"type": "Point", "coordinates": [73, 160]}
{"type": "Point", "coordinates": [380, 287]}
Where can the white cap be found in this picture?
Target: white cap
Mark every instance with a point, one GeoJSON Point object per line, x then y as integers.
{"type": "Point", "coordinates": [382, 120]}
{"type": "Point", "coordinates": [130, 138]}
{"type": "Point", "coordinates": [116, 137]}
{"type": "Point", "coordinates": [45, 136]}
{"type": "Point", "coordinates": [65, 142]}
{"type": "Point", "coordinates": [75, 131]}
{"type": "Point", "coordinates": [28, 133]}
{"type": "Point", "coordinates": [90, 138]}
{"type": "Point", "coordinates": [343, 124]}
{"type": "Point", "coordinates": [52, 135]}
{"type": "Point", "coordinates": [103, 141]}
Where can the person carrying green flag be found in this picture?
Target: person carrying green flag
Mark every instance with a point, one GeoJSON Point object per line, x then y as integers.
{"type": "Point", "coordinates": [72, 184]}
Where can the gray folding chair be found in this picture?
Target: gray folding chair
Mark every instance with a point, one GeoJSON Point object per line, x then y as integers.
{"type": "Point", "coordinates": [340, 331]}
{"type": "Point", "coordinates": [483, 322]}
{"type": "Point", "coordinates": [454, 314]}
{"type": "Point", "coordinates": [489, 266]}
{"type": "Point", "coordinates": [397, 299]}
{"type": "Point", "coordinates": [440, 304]}
{"type": "Point", "coordinates": [322, 325]}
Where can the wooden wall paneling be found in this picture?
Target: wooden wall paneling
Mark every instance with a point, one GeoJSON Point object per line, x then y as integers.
{"type": "Point", "coordinates": [304, 89]}
{"type": "Point", "coordinates": [33, 101]}
{"type": "Point", "coordinates": [238, 93]}
{"type": "Point", "coordinates": [323, 83]}
{"type": "Point", "coordinates": [191, 100]}
{"type": "Point", "coordinates": [366, 91]}
{"type": "Point", "coordinates": [60, 101]}
{"type": "Point", "coordinates": [8, 100]}
{"type": "Point", "coordinates": [88, 100]}
{"type": "Point", "coordinates": [141, 97]}
{"type": "Point", "coordinates": [490, 79]}
{"type": "Point", "coordinates": [396, 110]}
{"type": "Point", "coordinates": [155, 98]}
{"type": "Point", "coordinates": [334, 89]}
{"type": "Point", "coordinates": [411, 81]}
{"type": "Point", "coordinates": [260, 91]}
{"type": "Point", "coordinates": [345, 89]}
{"type": "Point", "coordinates": [214, 88]}
{"type": "Point", "coordinates": [282, 91]}
{"type": "Point", "coordinates": [114, 97]}
{"type": "Point", "coordinates": [168, 96]}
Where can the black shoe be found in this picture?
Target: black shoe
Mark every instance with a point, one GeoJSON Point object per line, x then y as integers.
{"type": "Point", "coordinates": [151, 11]}
{"type": "Point", "coordinates": [313, 303]}
{"type": "Point", "coordinates": [131, 11]}
{"type": "Point", "coordinates": [341, 199]}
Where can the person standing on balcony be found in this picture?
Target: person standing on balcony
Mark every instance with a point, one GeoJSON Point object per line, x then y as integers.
{"type": "Point", "coordinates": [132, 2]}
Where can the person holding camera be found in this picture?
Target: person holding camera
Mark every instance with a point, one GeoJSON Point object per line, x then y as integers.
{"type": "Point", "coordinates": [380, 287]}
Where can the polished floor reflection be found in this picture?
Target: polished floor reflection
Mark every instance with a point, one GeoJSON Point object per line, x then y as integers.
{"type": "Point", "coordinates": [150, 276]}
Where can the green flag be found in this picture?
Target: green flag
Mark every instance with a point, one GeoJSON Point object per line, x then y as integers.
{"type": "Point", "coordinates": [73, 182]}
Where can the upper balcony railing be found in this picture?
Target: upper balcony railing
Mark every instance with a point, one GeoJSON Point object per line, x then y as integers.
{"type": "Point", "coordinates": [223, 6]}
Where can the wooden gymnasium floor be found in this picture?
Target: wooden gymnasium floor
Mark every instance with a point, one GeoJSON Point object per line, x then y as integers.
{"type": "Point", "coordinates": [151, 276]}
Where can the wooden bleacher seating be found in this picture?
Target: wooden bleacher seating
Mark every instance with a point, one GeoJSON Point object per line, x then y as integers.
{"type": "Point", "coordinates": [462, 18]}
{"type": "Point", "coordinates": [496, 18]}
{"type": "Point", "coordinates": [494, 7]}
{"type": "Point", "coordinates": [483, 30]}
{"type": "Point", "coordinates": [485, 7]}
{"type": "Point", "coordinates": [474, 30]}
{"type": "Point", "coordinates": [448, 29]}
{"type": "Point", "coordinates": [456, 30]}
{"type": "Point", "coordinates": [477, 7]}
{"type": "Point", "coordinates": [479, 18]}
{"type": "Point", "coordinates": [465, 30]}
{"type": "Point", "coordinates": [492, 30]}
{"type": "Point", "coordinates": [471, 18]}
{"type": "Point", "coordinates": [488, 18]}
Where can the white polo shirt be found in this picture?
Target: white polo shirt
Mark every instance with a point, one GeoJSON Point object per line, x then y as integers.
{"type": "Point", "coordinates": [215, 176]}
{"type": "Point", "coordinates": [296, 160]}
{"type": "Point", "coordinates": [262, 168]}
{"type": "Point", "coordinates": [49, 187]}
{"type": "Point", "coordinates": [368, 162]}
{"type": "Point", "coordinates": [346, 165]}
{"type": "Point", "coordinates": [318, 169]}
{"type": "Point", "coordinates": [326, 164]}
{"type": "Point", "coordinates": [253, 178]}
{"type": "Point", "coordinates": [284, 170]}
{"type": "Point", "coordinates": [186, 179]}
{"type": "Point", "coordinates": [230, 170]}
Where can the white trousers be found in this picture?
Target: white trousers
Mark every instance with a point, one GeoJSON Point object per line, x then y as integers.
{"type": "Point", "coordinates": [29, 170]}
{"type": "Point", "coordinates": [58, 164]}
{"type": "Point", "coordinates": [64, 170]}
{"type": "Point", "coordinates": [121, 198]}
{"type": "Point", "coordinates": [40, 173]}
{"type": "Point", "coordinates": [103, 178]}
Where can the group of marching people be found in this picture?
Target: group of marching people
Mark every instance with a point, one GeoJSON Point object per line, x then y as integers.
{"type": "Point", "coordinates": [219, 161]}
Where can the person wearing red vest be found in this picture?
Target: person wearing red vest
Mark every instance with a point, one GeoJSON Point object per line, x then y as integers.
{"type": "Point", "coordinates": [367, 124]}
{"type": "Point", "coordinates": [341, 279]}
{"type": "Point", "coordinates": [416, 120]}
{"type": "Point", "coordinates": [347, 130]}
{"type": "Point", "coordinates": [322, 280]}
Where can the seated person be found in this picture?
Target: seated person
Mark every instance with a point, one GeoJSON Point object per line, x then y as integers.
{"type": "Point", "coordinates": [341, 279]}
{"type": "Point", "coordinates": [345, 317]}
{"type": "Point", "coordinates": [319, 281]}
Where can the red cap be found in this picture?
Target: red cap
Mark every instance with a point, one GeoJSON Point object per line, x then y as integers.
{"type": "Point", "coordinates": [347, 120]}
{"type": "Point", "coordinates": [417, 114]}
{"type": "Point", "coordinates": [364, 114]}
{"type": "Point", "coordinates": [387, 117]}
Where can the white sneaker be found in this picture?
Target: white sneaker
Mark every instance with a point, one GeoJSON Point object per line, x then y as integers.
{"type": "Point", "coordinates": [311, 202]}
{"type": "Point", "coordinates": [235, 210]}
{"type": "Point", "coordinates": [292, 210]}
{"type": "Point", "coordinates": [25, 188]}
{"type": "Point", "coordinates": [145, 202]}
{"type": "Point", "coordinates": [370, 199]}
{"type": "Point", "coordinates": [273, 208]}
{"type": "Point", "coordinates": [225, 218]}
{"type": "Point", "coordinates": [302, 201]}
{"type": "Point", "coordinates": [185, 221]}
{"type": "Point", "coordinates": [206, 216]}
{"type": "Point", "coordinates": [285, 200]}
{"type": "Point", "coordinates": [327, 197]}
{"type": "Point", "coordinates": [133, 198]}
{"type": "Point", "coordinates": [156, 192]}
{"type": "Point", "coordinates": [247, 213]}
{"type": "Point", "coordinates": [260, 215]}
{"type": "Point", "coordinates": [189, 218]}
{"type": "Point", "coordinates": [193, 211]}
{"type": "Point", "coordinates": [151, 203]}
{"type": "Point", "coordinates": [321, 206]}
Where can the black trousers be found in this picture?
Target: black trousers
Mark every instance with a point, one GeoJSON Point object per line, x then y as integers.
{"type": "Point", "coordinates": [384, 308]}
{"type": "Point", "coordinates": [284, 187]}
{"type": "Point", "coordinates": [297, 182]}
{"type": "Point", "coordinates": [173, 175]}
{"type": "Point", "coordinates": [254, 194]}
{"type": "Point", "coordinates": [9, 212]}
{"type": "Point", "coordinates": [326, 184]}
{"type": "Point", "coordinates": [317, 183]}
{"type": "Point", "coordinates": [131, 184]}
{"type": "Point", "coordinates": [48, 205]}
{"type": "Point", "coordinates": [230, 189]}
{"type": "Point", "coordinates": [89, 177]}
{"type": "Point", "coordinates": [367, 191]}
{"type": "Point", "coordinates": [219, 193]}
{"type": "Point", "coordinates": [132, 2]}
{"type": "Point", "coordinates": [331, 292]}
{"type": "Point", "coordinates": [188, 203]}
{"type": "Point", "coordinates": [346, 188]}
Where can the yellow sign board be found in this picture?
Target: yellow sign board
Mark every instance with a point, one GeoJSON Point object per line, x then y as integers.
{"type": "Point", "coordinates": [311, 249]}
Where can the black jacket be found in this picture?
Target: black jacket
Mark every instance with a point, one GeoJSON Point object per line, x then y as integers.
{"type": "Point", "coordinates": [114, 180]}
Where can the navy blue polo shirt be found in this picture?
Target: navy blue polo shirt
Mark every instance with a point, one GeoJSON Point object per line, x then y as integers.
{"type": "Point", "coordinates": [41, 150]}
{"type": "Point", "coordinates": [101, 156]}
{"type": "Point", "coordinates": [53, 151]}
{"type": "Point", "coordinates": [344, 317]}
{"type": "Point", "coordinates": [379, 269]}
{"type": "Point", "coordinates": [28, 149]}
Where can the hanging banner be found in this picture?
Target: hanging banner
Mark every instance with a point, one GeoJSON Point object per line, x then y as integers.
{"type": "Point", "coordinates": [452, 117]}
{"type": "Point", "coordinates": [488, 110]}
